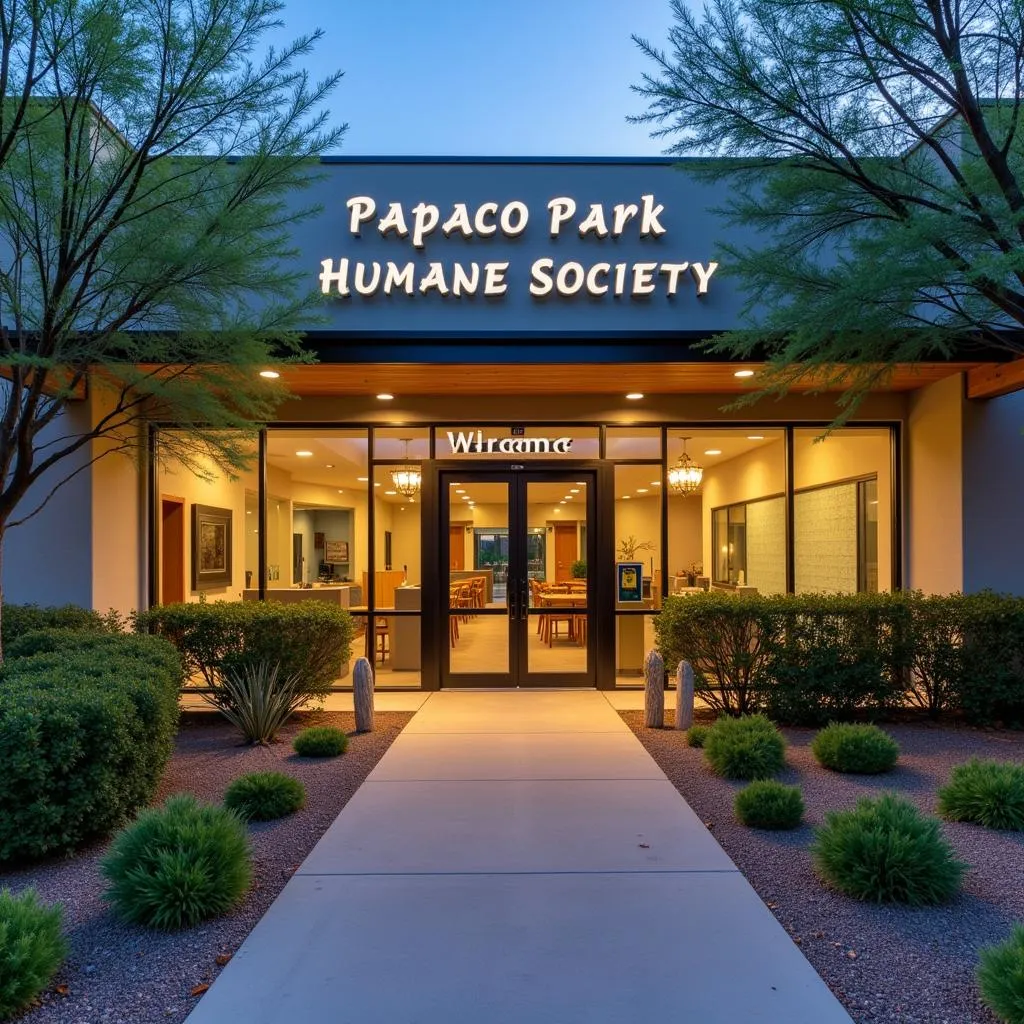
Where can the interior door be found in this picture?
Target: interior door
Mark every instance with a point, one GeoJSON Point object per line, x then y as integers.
{"type": "Point", "coordinates": [513, 618]}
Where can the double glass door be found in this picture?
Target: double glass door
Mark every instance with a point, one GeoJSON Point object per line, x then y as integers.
{"type": "Point", "coordinates": [519, 600]}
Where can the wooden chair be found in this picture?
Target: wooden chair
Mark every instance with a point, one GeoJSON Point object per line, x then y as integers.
{"type": "Point", "coordinates": [382, 640]}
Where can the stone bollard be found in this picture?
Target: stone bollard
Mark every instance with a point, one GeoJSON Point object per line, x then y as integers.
{"type": "Point", "coordinates": [684, 695]}
{"type": "Point", "coordinates": [362, 695]}
{"type": "Point", "coordinates": [654, 690]}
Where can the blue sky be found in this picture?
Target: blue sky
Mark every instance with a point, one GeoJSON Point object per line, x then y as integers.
{"type": "Point", "coordinates": [479, 78]}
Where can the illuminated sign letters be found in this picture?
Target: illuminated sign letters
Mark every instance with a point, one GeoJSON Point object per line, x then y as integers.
{"type": "Point", "coordinates": [474, 443]}
{"type": "Point", "coordinates": [548, 277]}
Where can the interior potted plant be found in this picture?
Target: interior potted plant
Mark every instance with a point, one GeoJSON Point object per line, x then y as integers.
{"type": "Point", "coordinates": [578, 569]}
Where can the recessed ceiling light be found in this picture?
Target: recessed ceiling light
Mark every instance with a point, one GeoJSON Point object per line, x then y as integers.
{"type": "Point", "coordinates": [635, 396]}
{"type": "Point", "coordinates": [389, 493]}
{"type": "Point", "coordinates": [755, 437]}
{"type": "Point", "coordinates": [376, 485]}
{"type": "Point", "coordinates": [248, 513]}
{"type": "Point", "coordinates": [581, 483]}
{"type": "Point", "coordinates": [340, 491]}
{"type": "Point", "coordinates": [304, 455]}
{"type": "Point", "coordinates": [713, 451]}
{"type": "Point", "coordinates": [574, 490]}
{"type": "Point", "coordinates": [641, 490]}
{"type": "Point", "coordinates": [270, 374]}
{"type": "Point", "coordinates": [385, 397]}
{"type": "Point", "coordinates": [328, 465]}
{"type": "Point", "coordinates": [466, 497]}
{"type": "Point", "coordinates": [626, 497]}
{"type": "Point", "coordinates": [460, 491]}
{"type": "Point", "coordinates": [363, 479]}
{"type": "Point", "coordinates": [744, 373]}
{"type": "Point", "coordinates": [655, 483]}
{"type": "Point", "coordinates": [562, 502]}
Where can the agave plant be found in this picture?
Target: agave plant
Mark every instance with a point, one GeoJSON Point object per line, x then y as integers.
{"type": "Point", "coordinates": [256, 698]}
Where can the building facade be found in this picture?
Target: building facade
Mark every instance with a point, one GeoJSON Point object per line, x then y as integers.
{"type": "Point", "coordinates": [512, 447]}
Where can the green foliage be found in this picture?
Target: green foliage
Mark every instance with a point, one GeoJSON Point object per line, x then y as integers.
{"type": "Point", "coordinates": [320, 741]}
{"type": "Point", "coordinates": [263, 796]}
{"type": "Point", "coordinates": [810, 659]}
{"type": "Point", "coordinates": [309, 641]}
{"type": "Point", "coordinates": [32, 949]}
{"type": "Point", "coordinates": [886, 851]}
{"type": "Point", "coordinates": [989, 793]}
{"type": "Point", "coordinates": [859, 253]}
{"type": "Point", "coordinates": [578, 569]}
{"type": "Point", "coordinates": [86, 731]}
{"type": "Point", "coordinates": [696, 735]}
{"type": "Point", "coordinates": [178, 864]}
{"type": "Point", "coordinates": [769, 804]}
{"type": "Point", "coordinates": [256, 699]}
{"type": "Point", "coordinates": [20, 619]}
{"type": "Point", "coordinates": [1000, 976]}
{"type": "Point", "coordinates": [745, 748]}
{"type": "Point", "coordinates": [160, 271]}
{"type": "Point", "coordinates": [860, 749]}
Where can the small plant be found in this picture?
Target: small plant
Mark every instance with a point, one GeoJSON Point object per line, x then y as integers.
{"type": "Point", "coordinates": [32, 948]}
{"type": "Point", "coordinates": [886, 851]}
{"type": "Point", "coordinates": [696, 735]}
{"type": "Point", "coordinates": [320, 741]}
{"type": "Point", "coordinates": [256, 698]}
{"type": "Point", "coordinates": [1001, 977]}
{"type": "Point", "coordinates": [745, 748]}
{"type": "Point", "coordinates": [263, 796]}
{"type": "Point", "coordinates": [769, 804]}
{"type": "Point", "coordinates": [989, 793]}
{"type": "Point", "coordinates": [629, 547]}
{"type": "Point", "coordinates": [859, 749]}
{"type": "Point", "coordinates": [578, 569]}
{"type": "Point", "coordinates": [178, 864]}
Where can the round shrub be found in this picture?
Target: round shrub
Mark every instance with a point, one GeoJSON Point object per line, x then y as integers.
{"type": "Point", "coordinates": [860, 749]}
{"type": "Point", "coordinates": [1001, 977]}
{"type": "Point", "coordinates": [696, 735]}
{"type": "Point", "coordinates": [178, 864]}
{"type": "Point", "coordinates": [263, 796]}
{"type": "Point", "coordinates": [86, 730]}
{"type": "Point", "coordinates": [745, 748]}
{"type": "Point", "coordinates": [32, 948]}
{"type": "Point", "coordinates": [769, 804]}
{"type": "Point", "coordinates": [320, 741]}
{"type": "Point", "coordinates": [886, 851]}
{"type": "Point", "coordinates": [989, 793]}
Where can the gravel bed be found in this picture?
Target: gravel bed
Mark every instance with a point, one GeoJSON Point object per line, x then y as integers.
{"type": "Point", "coordinates": [885, 963]}
{"type": "Point", "coordinates": [123, 974]}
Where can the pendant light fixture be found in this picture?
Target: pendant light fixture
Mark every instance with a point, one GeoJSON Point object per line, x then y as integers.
{"type": "Point", "coordinates": [407, 479]}
{"type": "Point", "coordinates": [685, 476]}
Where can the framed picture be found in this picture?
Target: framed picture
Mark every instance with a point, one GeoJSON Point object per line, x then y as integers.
{"type": "Point", "coordinates": [211, 547]}
{"type": "Point", "coordinates": [629, 582]}
{"type": "Point", "coordinates": [336, 552]}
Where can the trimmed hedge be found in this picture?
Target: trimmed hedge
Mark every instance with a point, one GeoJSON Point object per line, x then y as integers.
{"type": "Point", "coordinates": [810, 659]}
{"type": "Point", "coordinates": [19, 619]}
{"type": "Point", "coordinates": [87, 723]}
{"type": "Point", "coordinates": [310, 640]}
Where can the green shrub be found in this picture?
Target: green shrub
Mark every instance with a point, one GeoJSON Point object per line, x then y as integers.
{"type": "Point", "coordinates": [578, 569]}
{"type": "Point", "coordinates": [86, 730]}
{"type": "Point", "coordinates": [1001, 977]}
{"type": "Point", "coordinates": [32, 949]}
{"type": "Point", "coordinates": [19, 619]}
{"type": "Point", "coordinates": [178, 864]}
{"type": "Point", "coordinates": [769, 804]}
{"type": "Point", "coordinates": [936, 669]}
{"type": "Point", "coordinates": [990, 687]}
{"type": "Point", "coordinates": [859, 749]}
{"type": "Point", "coordinates": [745, 748]}
{"type": "Point", "coordinates": [320, 741]}
{"type": "Point", "coordinates": [886, 851]}
{"type": "Point", "coordinates": [310, 641]}
{"type": "Point", "coordinates": [263, 796]}
{"type": "Point", "coordinates": [989, 793]}
{"type": "Point", "coordinates": [696, 735]}
{"type": "Point", "coordinates": [257, 699]}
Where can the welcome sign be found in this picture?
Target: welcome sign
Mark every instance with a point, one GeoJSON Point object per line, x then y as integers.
{"type": "Point", "coordinates": [474, 443]}
{"type": "Point", "coordinates": [419, 226]}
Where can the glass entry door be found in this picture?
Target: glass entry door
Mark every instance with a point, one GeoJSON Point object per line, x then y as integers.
{"type": "Point", "coordinates": [516, 549]}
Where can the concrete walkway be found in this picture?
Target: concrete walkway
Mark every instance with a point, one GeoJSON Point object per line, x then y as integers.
{"type": "Point", "coordinates": [518, 857]}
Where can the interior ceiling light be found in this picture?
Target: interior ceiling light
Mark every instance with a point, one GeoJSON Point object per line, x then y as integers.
{"type": "Point", "coordinates": [685, 476]}
{"type": "Point", "coordinates": [713, 451]}
{"type": "Point", "coordinates": [270, 374]}
{"type": "Point", "coordinates": [755, 437]}
{"type": "Point", "coordinates": [574, 490]}
{"type": "Point", "coordinates": [655, 483]}
{"type": "Point", "coordinates": [390, 493]}
{"type": "Point", "coordinates": [304, 455]}
{"type": "Point", "coordinates": [407, 479]}
{"type": "Point", "coordinates": [581, 483]}
{"type": "Point", "coordinates": [385, 397]}
{"type": "Point", "coordinates": [635, 396]}
{"type": "Point", "coordinates": [460, 490]}
{"type": "Point", "coordinates": [340, 491]}
{"type": "Point", "coordinates": [626, 497]}
{"type": "Point", "coordinates": [328, 465]}
{"type": "Point", "coordinates": [744, 373]}
{"type": "Point", "coordinates": [363, 479]}
{"type": "Point", "coordinates": [641, 490]}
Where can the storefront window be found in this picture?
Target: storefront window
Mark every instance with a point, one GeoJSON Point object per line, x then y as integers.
{"type": "Point", "coordinates": [842, 508]}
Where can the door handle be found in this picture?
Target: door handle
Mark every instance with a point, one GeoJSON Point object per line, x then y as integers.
{"type": "Point", "coordinates": [524, 603]}
{"type": "Point", "coordinates": [511, 603]}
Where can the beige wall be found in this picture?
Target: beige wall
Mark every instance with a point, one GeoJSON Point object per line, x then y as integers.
{"type": "Point", "coordinates": [641, 518]}
{"type": "Point", "coordinates": [685, 533]}
{"type": "Point", "coordinates": [935, 527]}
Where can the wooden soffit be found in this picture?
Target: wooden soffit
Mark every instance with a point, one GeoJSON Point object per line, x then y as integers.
{"type": "Point", "coordinates": [329, 379]}
{"type": "Point", "coordinates": [990, 380]}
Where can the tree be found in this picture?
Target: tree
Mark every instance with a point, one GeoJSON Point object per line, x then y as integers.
{"type": "Point", "coordinates": [138, 264]}
{"type": "Point", "coordinates": [878, 157]}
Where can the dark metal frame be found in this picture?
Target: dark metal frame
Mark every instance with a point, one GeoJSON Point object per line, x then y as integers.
{"type": "Point", "coordinates": [601, 533]}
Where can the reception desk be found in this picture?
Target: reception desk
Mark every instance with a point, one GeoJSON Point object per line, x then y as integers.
{"type": "Point", "coordinates": [344, 595]}
{"type": "Point", "coordinates": [404, 631]}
